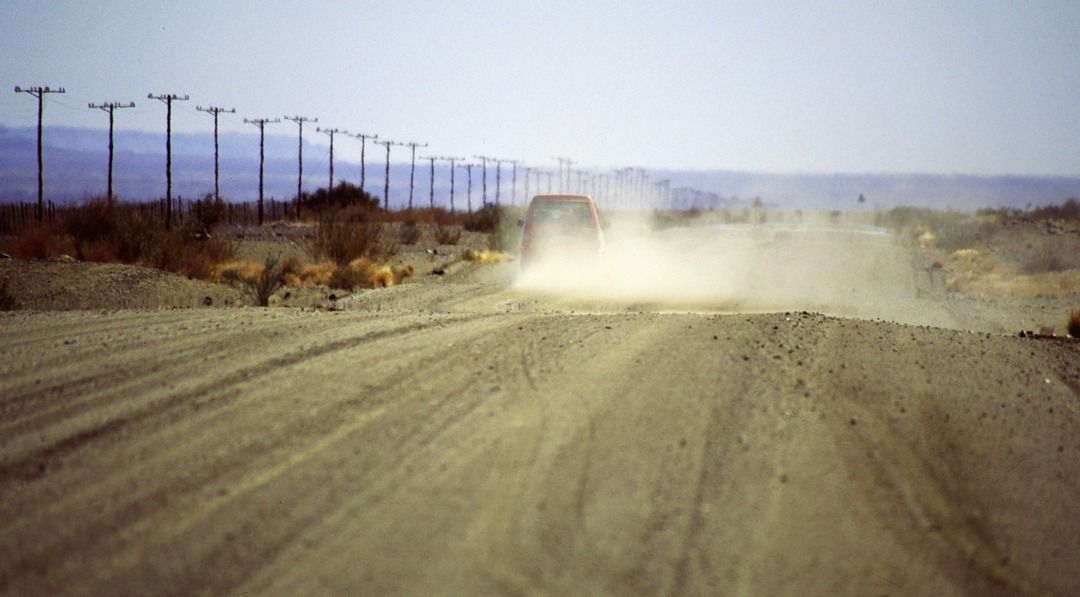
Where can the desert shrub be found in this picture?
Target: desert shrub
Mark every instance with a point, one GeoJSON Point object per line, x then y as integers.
{"type": "Point", "coordinates": [259, 282]}
{"type": "Point", "coordinates": [1070, 210]}
{"type": "Point", "coordinates": [447, 235]}
{"type": "Point", "coordinates": [485, 219]}
{"type": "Point", "coordinates": [41, 242]}
{"type": "Point", "coordinates": [177, 251]}
{"type": "Point", "coordinates": [342, 242]}
{"type": "Point", "coordinates": [209, 211]}
{"type": "Point", "coordinates": [409, 234]}
{"type": "Point", "coordinates": [271, 278]}
{"type": "Point", "coordinates": [7, 300]}
{"type": "Point", "coordinates": [109, 232]}
{"type": "Point", "coordinates": [1073, 325]}
{"type": "Point", "coordinates": [347, 278]}
{"type": "Point", "coordinates": [345, 195]}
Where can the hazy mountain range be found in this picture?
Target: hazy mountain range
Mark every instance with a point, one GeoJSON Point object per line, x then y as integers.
{"type": "Point", "coordinates": [76, 162]}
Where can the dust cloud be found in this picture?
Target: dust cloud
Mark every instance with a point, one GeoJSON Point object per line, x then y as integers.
{"type": "Point", "coordinates": [846, 270]}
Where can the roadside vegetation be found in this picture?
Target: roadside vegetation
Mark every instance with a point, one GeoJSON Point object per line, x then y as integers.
{"type": "Point", "coordinates": [111, 232]}
{"type": "Point", "coordinates": [350, 241]}
{"type": "Point", "coordinates": [1026, 254]}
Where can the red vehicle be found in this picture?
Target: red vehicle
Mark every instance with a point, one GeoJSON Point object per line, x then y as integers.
{"type": "Point", "coordinates": [561, 228]}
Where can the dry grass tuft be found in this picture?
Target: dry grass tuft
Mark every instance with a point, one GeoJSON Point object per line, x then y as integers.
{"type": "Point", "coordinates": [1073, 325]}
{"type": "Point", "coordinates": [317, 273]}
{"type": "Point", "coordinates": [403, 271]}
{"type": "Point", "coordinates": [343, 242]}
{"type": "Point", "coordinates": [366, 273]}
{"type": "Point", "coordinates": [259, 281]}
{"type": "Point", "coordinates": [486, 256]}
{"type": "Point", "coordinates": [237, 271]}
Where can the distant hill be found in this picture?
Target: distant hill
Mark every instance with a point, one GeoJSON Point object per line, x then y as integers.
{"type": "Point", "coordinates": [76, 160]}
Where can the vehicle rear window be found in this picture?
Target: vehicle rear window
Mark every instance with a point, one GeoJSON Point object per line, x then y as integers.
{"type": "Point", "coordinates": [574, 213]}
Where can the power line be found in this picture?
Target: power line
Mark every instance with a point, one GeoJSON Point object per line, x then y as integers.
{"type": "Point", "coordinates": [386, 181]}
{"type": "Point", "coordinates": [39, 93]}
{"type": "Point", "coordinates": [569, 163]}
{"type": "Point", "coordinates": [513, 181]}
{"type": "Point", "coordinates": [168, 99]}
{"type": "Point", "coordinates": [452, 160]}
{"type": "Point", "coordinates": [412, 169]}
{"type": "Point", "coordinates": [483, 161]}
{"type": "Point", "coordinates": [468, 196]}
{"type": "Point", "coordinates": [300, 120]}
{"type": "Point", "coordinates": [363, 143]}
{"type": "Point", "coordinates": [527, 171]}
{"type": "Point", "coordinates": [431, 184]}
{"type": "Point", "coordinates": [111, 107]}
{"type": "Point", "coordinates": [213, 110]}
{"type": "Point", "coordinates": [331, 132]}
{"type": "Point", "coordinates": [261, 123]}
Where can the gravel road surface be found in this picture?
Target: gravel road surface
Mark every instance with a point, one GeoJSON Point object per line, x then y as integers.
{"type": "Point", "coordinates": [463, 436]}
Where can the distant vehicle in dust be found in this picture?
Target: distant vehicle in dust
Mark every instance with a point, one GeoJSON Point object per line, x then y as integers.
{"type": "Point", "coordinates": [561, 228]}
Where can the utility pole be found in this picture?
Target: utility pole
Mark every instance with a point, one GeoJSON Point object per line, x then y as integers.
{"type": "Point", "coordinates": [39, 93]}
{"type": "Point", "coordinates": [468, 169]}
{"type": "Point", "coordinates": [569, 163]}
{"type": "Point", "coordinates": [484, 160]}
{"type": "Point", "coordinates": [331, 132]}
{"type": "Point", "coordinates": [513, 182]}
{"type": "Point", "coordinates": [168, 99]}
{"type": "Point", "coordinates": [386, 182]}
{"type": "Point", "coordinates": [300, 120]}
{"type": "Point", "coordinates": [110, 107]}
{"type": "Point", "coordinates": [363, 143]}
{"type": "Point", "coordinates": [452, 160]}
{"type": "Point", "coordinates": [209, 110]}
{"type": "Point", "coordinates": [527, 171]}
{"type": "Point", "coordinates": [261, 123]}
{"type": "Point", "coordinates": [431, 185]}
{"type": "Point", "coordinates": [412, 169]}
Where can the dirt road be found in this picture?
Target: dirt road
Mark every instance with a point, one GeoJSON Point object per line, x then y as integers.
{"type": "Point", "coordinates": [464, 437]}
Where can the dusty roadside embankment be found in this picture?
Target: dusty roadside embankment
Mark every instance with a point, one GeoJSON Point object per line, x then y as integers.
{"type": "Point", "coordinates": [462, 437]}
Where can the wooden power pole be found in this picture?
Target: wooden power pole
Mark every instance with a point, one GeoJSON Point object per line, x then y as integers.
{"type": "Point", "coordinates": [331, 133]}
{"type": "Point", "coordinates": [363, 144]}
{"type": "Point", "coordinates": [261, 123]}
{"type": "Point", "coordinates": [39, 93]}
{"type": "Point", "coordinates": [300, 120]}
{"type": "Point", "coordinates": [168, 99]}
{"type": "Point", "coordinates": [111, 107]}
{"type": "Point", "coordinates": [215, 111]}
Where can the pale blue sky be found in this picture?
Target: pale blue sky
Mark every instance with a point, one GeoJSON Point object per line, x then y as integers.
{"type": "Point", "coordinates": [944, 87]}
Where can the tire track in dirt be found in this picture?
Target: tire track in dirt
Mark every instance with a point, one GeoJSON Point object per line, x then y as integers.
{"type": "Point", "coordinates": [925, 481]}
{"type": "Point", "coordinates": [33, 465]}
{"type": "Point", "coordinates": [162, 494]}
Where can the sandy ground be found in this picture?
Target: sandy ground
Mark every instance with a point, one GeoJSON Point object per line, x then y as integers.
{"type": "Point", "coordinates": [469, 434]}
